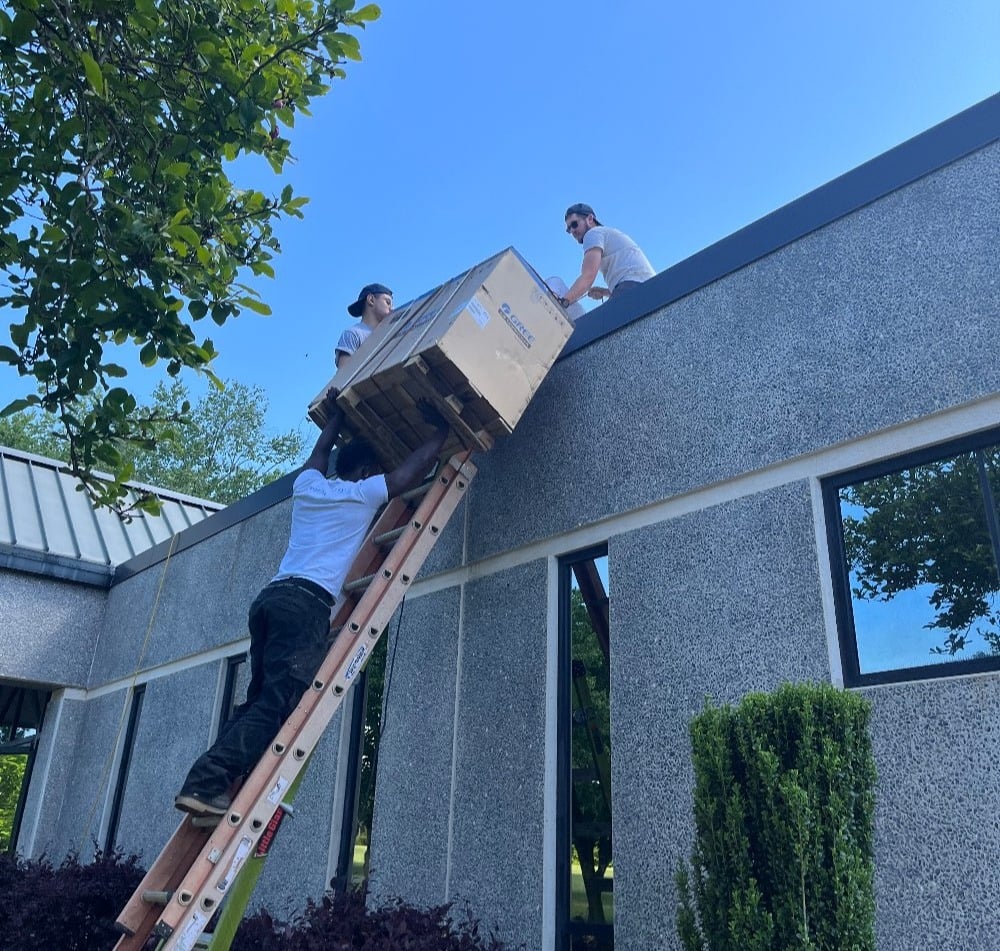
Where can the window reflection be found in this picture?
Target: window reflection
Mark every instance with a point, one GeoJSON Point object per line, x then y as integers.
{"type": "Point", "coordinates": [922, 551]}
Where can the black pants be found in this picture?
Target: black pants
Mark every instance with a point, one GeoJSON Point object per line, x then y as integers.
{"type": "Point", "coordinates": [289, 627]}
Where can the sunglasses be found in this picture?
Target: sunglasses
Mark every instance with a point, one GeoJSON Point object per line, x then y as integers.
{"type": "Point", "coordinates": [573, 225]}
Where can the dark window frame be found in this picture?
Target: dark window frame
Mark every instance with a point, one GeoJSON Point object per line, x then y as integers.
{"type": "Point", "coordinates": [840, 570]}
{"type": "Point", "coordinates": [118, 800]}
{"type": "Point", "coordinates": [228, 705]}
{"type": "Point", "coordinates": [567, 930]}
{"type": "Point", "coordinates": [24, 746]}
{"type": "Point", "coordinates": [340, 884]}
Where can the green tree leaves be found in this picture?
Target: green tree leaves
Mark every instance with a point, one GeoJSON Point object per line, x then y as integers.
{"type": "Point", "coordinates": [219, 449]}
{"type": "Point", "coordinates": [928, 525]}
{"type": "Point", "coordinates": [118, 221]}
{"type": "Point", "coordinates": [12, 768]}
{"type": "Point", "coordinates": [784, 813]}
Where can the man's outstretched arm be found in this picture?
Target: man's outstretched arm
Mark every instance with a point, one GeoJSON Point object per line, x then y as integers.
{"type": "Point", "coordinates": [408, 474]}
{"type": "Point", "coordinates": [588, 274]}
{"type": "Point", "coordinates": [319, 458]}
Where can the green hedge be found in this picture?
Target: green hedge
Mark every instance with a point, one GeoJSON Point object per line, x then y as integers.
{"type": "Point", "coordinates": [783, 807]}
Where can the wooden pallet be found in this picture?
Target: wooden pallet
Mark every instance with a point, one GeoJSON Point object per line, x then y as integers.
{"type": "Point", "coordinates": [476, 348]}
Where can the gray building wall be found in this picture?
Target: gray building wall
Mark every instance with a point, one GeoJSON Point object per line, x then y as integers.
{"type": "Point", "coordinates": [717, 603]}
{"type": "Point", "coordinates": [881, 317]}
{"type": "Point", "coordinates": [712, 421]}
{"type": "Point", "coordinates": [937, 746]}
{"type": "Point", "coordinates": [48, 628]}
{"type": "Point", "coordinates": [693, 442]}
{"type": "Point", "coordinates": [459, 806]}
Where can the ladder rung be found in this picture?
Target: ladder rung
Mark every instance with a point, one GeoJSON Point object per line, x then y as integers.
{"type": "Point", "coordinates": [153, 897]}
{"type": "Point", "coordinates": [387, 537]}
{"type": "Point", "coordinates": [420, 491]}
{"type": "Point", "coordinates": [360, 585]}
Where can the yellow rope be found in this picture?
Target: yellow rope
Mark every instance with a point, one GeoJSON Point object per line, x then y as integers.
{"type": "Point", "coordinates": [105, 772]}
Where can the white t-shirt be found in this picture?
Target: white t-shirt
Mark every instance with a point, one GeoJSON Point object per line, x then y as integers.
{"type": "Point", "coordinates": [351, 339]}
{"type": "Point", "coordinates": [330, 519]}
{"type": "Point", "coordinates": [621, 260]}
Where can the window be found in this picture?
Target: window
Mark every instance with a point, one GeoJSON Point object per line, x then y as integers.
{"type": "Point", "coordinates": [584, 863]}
{"type": "Point", "coordinates": [21, 712]}
{"type": "Point", "coordinates": [237, 678]}
{"type": "Point", "coordinates": [135, 711]}
{"type": "Point", "coordinates": [915, 551]}
{"type": "Point", "coordinates": [353, 861]}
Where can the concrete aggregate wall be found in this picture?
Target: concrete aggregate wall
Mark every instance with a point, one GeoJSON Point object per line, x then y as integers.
{"type": "Point", "coordinates": [937, 835]}
{"type": "Point", "coordinates": [169, 736]}
{"type": "Point", "coordinates": [717, 603]}
{"type": "Point", "coordinates": [74, 761]}
{"type": "Point", "coordinates": [497, 838]}
{"type": "Point", "coordinates": [410, 827]}
{"type": "Point", "coordinates": [196, 601]}
{"type": "Point", "coordinates": [48, 628]}
{"type": "Point", "coordinates": [460, 793]}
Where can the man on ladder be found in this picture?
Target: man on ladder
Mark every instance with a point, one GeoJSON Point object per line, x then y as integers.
{"type": "Point", "coordinates": [290, 619]}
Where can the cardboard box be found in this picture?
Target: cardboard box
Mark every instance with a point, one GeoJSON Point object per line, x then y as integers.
{"type": "Point", "coordinates": [476, 348]}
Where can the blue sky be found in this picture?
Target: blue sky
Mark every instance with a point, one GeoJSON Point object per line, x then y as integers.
{"type": "Point", "coordinates": [468, 128]}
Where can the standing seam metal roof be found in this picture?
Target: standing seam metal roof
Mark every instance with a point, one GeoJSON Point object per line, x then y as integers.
{"type": "Point", "coordinates": [49, 527]}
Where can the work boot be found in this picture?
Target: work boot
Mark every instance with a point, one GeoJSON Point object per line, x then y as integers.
{"type": "Point", "coordinates": [200, 804]}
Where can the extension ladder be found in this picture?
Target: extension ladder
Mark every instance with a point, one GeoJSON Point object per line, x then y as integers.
{"type": "Point", "coordinates": [197, 868]}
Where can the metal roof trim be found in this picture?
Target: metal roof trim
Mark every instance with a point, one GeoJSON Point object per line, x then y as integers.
{"type": "Point", "coordinates": [49, 528]}
{"type": "Point", "coordinates": [59, 567]}
{"type": "Point", "coordinates": [271, 494]}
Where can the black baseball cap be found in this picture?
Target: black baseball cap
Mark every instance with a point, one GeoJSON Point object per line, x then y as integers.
{"type": "Point", "coordinates": [358, 307]}
{"type": "Point", "coordinates": [583, 209]}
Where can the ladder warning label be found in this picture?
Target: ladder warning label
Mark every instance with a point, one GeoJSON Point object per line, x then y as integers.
{"type": "Point", "coordinates": [187, 938]}
{"type": "Point", "coordinates": [355, 665]}
{"type": "Point", "coordinates": [242, 851]}
{"type": "Point", "coordinates": [274, 796]}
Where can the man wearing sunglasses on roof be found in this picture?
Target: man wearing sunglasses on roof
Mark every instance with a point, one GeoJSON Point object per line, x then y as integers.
{"type": "Point", "coordinates": [373, 305]}
{"type": "Point", "coordinates": [606, 250]}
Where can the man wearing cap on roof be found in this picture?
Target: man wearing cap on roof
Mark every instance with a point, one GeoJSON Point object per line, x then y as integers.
{"type": "Point", "coordinates": [373, 305]}
{"type": "Point", "coordinates": [608, 250]}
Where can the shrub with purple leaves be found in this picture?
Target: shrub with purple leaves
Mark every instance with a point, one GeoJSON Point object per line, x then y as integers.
{"type": "Point", "coordinates": [344, 923]}
{"type": "Point", "coordinates": [71, 906]}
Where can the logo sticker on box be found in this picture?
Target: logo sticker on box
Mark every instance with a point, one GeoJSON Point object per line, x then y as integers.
{"type": "Point", "coordinates": [523, 334]}
{"type": "Point", "coordinates": [479, 313]}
